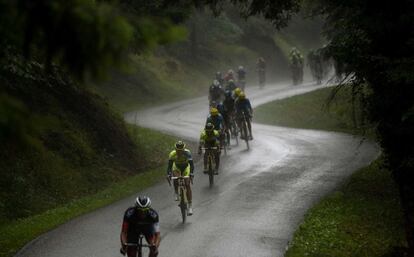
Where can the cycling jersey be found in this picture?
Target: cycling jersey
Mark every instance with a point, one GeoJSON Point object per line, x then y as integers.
{"type": "Point", "coordinates": [241, 74]}
{"type": "Point", "coordinates": [210, 139]}
{"type": "Point", "coordinates": [181, 162]}
{"type": "Point", "coordinates": [136, 223]}
{"type": "Point", "coordinates": [216, 120]}
{"type": "Point", "coordinates": [243, 106]}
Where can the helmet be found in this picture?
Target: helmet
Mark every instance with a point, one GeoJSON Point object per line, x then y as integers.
{"type": "Point", "coordinates": [231, 81]}
{"type": "Point", "coordinates": [242, 95]}
{"type": "Point", "coordinates": [209, 126]}
{"type": "Point", "coordinates": [142, 202]}
{"type": "Point", "coordinates": [241, 67]}
{"type": "Point", "coordinates": [218, 74]}
{"type": "Point", "coordinates": [179, 145]}
{"type": "Point", "coordinates": [216, 82]}
{"type": "Point", "coordinates": [214, 111]}
{"type": "Point", "coordinates": [227, 93]}
{"type": "Point", "coordinates": [237, 91]}
{"type": "Point", "coordinates": [230, 71]}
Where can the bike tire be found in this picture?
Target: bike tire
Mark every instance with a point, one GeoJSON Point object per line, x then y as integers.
{"type": "Point", "coordinates": [139, 248]}
{"type": "Point", "coordinates": [183, 206]}
{"type": "Point", "coordinates": [210, 171]}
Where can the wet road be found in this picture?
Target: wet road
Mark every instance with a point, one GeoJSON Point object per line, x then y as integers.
{"type": "Point", "coordinates": [257, 201]}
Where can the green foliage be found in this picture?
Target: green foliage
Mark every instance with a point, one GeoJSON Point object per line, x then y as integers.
{"type": "Point", "coordinates": [364, 218]}
{"type": "Point", "coordinates": [15, 122]}
{"type": "Point", "coordinates": [86, 36]}
{"type": "Point", "coordinates": [372, 42]}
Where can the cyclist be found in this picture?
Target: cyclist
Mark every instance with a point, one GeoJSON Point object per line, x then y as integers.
{"type": "Point", "coordinates": [244, 108]}
{"type": "Point", "coordinates": [237, 92]}
{"type": "Point", "coordinates": [228, 104]}
{"type": "Point", "coordinates": [218, 121]}
{"type": "Point", "coordinates": [261, 70]}
{"type": "Point", "coordinates": [241, 77]}
{"type": "Point", "coordinates": [215, 91]}
{"type": "Point", "coordinates": [219, 78]}
{"type": "Point", "coordinates": [210, 137]}
{"type": "Point", "coordinates": [229, 76]}
{"type": "Point", "coordinates": [296, 64]}
{"type": "Point", "coordinates": [181, 163]}
{"type": "Point", "coordinates": [231, 85]}
{"type": "Point", "coordinates": [138, 220]}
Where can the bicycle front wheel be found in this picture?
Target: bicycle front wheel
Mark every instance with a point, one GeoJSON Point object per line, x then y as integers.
{"type": "Point", "coordinates": [183, 205]}
{"type": "Point", "coordinates": [210, 170]}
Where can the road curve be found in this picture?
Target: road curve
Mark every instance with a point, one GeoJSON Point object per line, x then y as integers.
{"type": "Point", "coordinates": [256, 204]}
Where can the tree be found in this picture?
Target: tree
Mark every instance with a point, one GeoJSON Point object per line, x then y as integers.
{"type": "Point", "coordinates": [374, 43]}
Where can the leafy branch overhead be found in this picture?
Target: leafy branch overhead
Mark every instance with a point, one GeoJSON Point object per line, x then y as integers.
{"type": "Point", "coordinates": [89, 37]}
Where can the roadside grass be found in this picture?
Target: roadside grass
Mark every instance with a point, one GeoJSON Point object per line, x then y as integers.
{"type": "Point", "coordinates": [363, 218]}
{"type": "Point", "coordinates": [153, 145]}
{"type": "Point", "coordinates": [311, 111]}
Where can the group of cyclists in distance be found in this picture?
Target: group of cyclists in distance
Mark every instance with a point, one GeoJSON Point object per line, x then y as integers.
{"type": "Point", "coordinates": [230, 116]}
{"type": "Point", "coordinates": [229, 107]}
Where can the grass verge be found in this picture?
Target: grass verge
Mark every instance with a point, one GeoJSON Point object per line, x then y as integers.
{"type": "Point", "coordinates": [16, 234]}
{"type": "Point", "coordinates": [310, 111]}
{"type": "Point", "coordinates": [363, 218]}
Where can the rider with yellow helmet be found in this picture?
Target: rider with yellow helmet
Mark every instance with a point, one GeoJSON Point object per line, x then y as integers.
{"type": "Point", "coordinates": [210, 137]}
{"type": "Point", "coordinates": [180, 163]}
{"type": "Point", "coordinates": [244, 108]}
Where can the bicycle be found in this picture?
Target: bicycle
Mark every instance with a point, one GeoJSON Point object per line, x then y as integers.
{"type": "Point", "coordinates": [210, 151]}
{"type": "Point", "coordinates": [182, 194]}
{"type": "Point", "coordinates": [234, 130]}
{"type": "Point", "coordinates": [139, 246]}
{"type": "Point", "coordinates": [244, 129]}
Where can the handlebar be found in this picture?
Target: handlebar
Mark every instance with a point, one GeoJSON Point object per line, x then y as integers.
{"type": "Point", "coordinates": [143, 245]}
{"type": "Point", "coordinates": [210, 148]}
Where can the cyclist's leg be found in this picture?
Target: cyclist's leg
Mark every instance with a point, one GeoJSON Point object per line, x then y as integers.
{"type": "Point", "coordinates": [205, 160]}
{"type": "Point", "coordinates": [187, 181]}
{"type": "Point", "coordinates": [217, 160]}
{"type": "Point", "coordinates": [176, 173]}
{"type": "Point", "coordinates": [132, 239]}
{"type": "Point", "coordinates": [249, 126]}
{"type": "Point", "coordinates": [150, 238]}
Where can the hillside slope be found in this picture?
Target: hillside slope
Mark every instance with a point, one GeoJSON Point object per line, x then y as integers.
{"type": "Point", "coordinates": [59, 142]}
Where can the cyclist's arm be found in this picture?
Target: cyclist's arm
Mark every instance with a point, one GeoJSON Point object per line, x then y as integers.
{"type": "Point", "coordinates": [124, 230]}
{"type": "Point", "coordinates": [191, 162]}
{"type": "Point", "coordinates": [169, 168]}
{"type": "Point", "coordinates": [157, 238]}
{"type": "Point", "coordinates": [249, 106]}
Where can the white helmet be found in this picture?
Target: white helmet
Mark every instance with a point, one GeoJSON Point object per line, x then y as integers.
{"type": "Point", "coordinates": [216, 82]}
{"type": "Point", "coordinates": [241, 67]}
{"type": "Point", "coordinates": [142, 202]}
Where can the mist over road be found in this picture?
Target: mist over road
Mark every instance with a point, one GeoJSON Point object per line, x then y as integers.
{"type": "Point", "coordinates": [257, 201]}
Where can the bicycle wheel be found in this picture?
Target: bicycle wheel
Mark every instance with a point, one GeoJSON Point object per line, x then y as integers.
{"type": "Point", "coordinates": [183, 205]}
{"type": "Point", "coordinates": [210, 170]}
{"type": "Point", "coordinates": [244, 133]}
{"type": "Point", "coordinates": [139, 247]}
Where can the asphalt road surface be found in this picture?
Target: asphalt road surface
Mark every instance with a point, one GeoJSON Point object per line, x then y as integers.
{"type": "Point", "coordinates": [256, 203]}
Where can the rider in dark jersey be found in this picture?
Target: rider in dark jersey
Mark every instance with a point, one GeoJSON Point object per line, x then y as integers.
{"type": "Point", "coordinates": [140, 219]}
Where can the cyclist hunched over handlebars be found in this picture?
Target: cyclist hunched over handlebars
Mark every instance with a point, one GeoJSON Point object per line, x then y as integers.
{"type": "Point", "coordinates": [138, 220]}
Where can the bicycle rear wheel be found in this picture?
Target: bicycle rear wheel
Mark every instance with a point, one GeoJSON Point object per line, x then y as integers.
{"type": "Point", "coordinates": [183, 205]}
{"type": "Point", "coordinates": [245, 134]}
